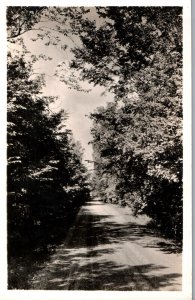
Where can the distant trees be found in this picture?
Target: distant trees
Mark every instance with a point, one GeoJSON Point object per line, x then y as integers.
{"type": "Point", "coordinates": [46, 178]}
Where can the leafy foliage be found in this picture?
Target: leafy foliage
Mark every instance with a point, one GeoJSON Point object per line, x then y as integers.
{"type": "Point", "coordinates": [137, 139]}
{"type": "Point", "coordinates": [21, 19]}
{"type": "Point", "coordinates": [126, 42]}
{"type": "Point", "coordinates": [46, 178]}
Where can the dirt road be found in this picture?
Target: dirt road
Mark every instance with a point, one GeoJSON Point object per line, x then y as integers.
{"type": "Point", "coordinates": [108, 249]}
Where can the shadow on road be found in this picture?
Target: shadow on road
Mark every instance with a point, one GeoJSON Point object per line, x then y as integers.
{"type": "Point", "coordinates": [99, 229]}
{"type": "Point", "coordinates": [107, 276]}
{"type": "Point", "coordinates": [89, 258]}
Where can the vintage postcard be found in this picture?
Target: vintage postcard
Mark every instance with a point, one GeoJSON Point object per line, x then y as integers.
{"type": "Point", "coordinates": [96, 135]}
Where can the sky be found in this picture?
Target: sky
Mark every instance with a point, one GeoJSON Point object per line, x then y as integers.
{"type": "Point", "coordinates": [77, 104]}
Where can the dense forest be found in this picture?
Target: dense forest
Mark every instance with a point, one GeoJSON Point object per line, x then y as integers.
{"type": "Point", "coordinates": [135, 53]}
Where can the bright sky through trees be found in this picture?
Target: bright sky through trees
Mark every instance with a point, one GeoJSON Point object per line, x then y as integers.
{"type": "Point", "coordinates": [78, 104]}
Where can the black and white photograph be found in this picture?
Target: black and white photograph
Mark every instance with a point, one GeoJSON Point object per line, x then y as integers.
{"type": "Point", "coordinates": [96, 138]}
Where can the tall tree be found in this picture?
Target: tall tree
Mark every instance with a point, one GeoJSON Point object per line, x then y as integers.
{"type": "Point", "coordinates": [142, 138]}
{"type": "Point", "coordinates": [46, 177]}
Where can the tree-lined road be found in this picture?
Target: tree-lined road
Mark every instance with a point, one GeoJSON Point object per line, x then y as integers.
{"type": "Point", "coordinates": [136, 134]}
{"type": "Point", "coordinates": [109, 249]}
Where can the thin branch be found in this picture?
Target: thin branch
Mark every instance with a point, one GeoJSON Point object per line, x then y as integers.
{"type": "Point", "coordinates": [43, 74]}
{"type": "Point", "coordinates": [17, 35]}
{"type": "Point", "coordinates": [68, 36]}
